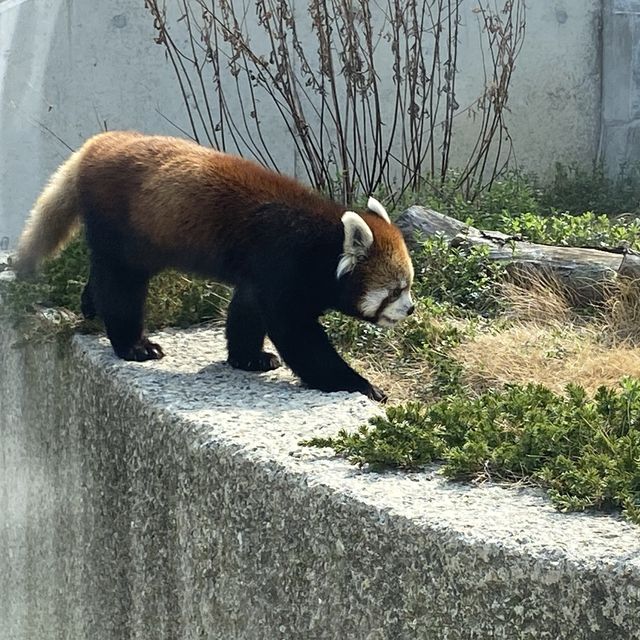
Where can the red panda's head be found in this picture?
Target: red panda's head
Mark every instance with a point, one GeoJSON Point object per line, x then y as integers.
{"type": "Point", "coordinates": [377, 265]}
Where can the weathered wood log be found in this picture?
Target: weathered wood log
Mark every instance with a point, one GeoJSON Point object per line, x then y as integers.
{"type": "Point", "coordinates": [584, 272]}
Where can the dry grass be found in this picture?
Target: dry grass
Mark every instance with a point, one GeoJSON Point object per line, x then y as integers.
{"type": "Point", "coordinates": [541, 339]}
{"type": "Point", "coordinates": [621, 315]}
{"type": "Point", "coordinates": [543, 300]}
{"type": "Point", "coordinates": [552, 356]}
{"type": "Point", "coordinates": [402, 381]}
{"type": "Point", "coordinates": [549, 343]}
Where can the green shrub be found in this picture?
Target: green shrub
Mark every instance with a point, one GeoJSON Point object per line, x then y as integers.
{"type": "Point", "coordinates": [510, 194]}
{"type": "Point", "coordinates": [584, 451]}
{"type": "Point", "coordinates": [58, 284]}
{"type": "Point", "coordinates": [351, 335]}
{"type": "Point", "coordinates": [584, 230]}
{"type": "Point", "coordinates": [180, 300]}
{"type": "Point", "coordinates": [174, 299]}
{"type": "Point", "coordinates": [576, 190]}
{"type": "Point", "coordinates": [573, 191]}
{"type": "Point", "coordinates": [465, 279]}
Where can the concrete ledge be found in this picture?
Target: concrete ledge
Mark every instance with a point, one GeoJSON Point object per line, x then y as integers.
{"type": "Point", "coordinates": [171, 500]}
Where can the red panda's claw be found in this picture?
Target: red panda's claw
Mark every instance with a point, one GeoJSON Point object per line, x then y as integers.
{"type": "Point", "coordinates": [374, 393]}
{"type": "Point", "coordinates": [264, 361]}
{"type": "Point", "coordinates": [142, 351]}
{"type": "Point", "coordinates": [154, 350]}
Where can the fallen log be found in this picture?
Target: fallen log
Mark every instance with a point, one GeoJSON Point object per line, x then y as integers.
{"type": "Point", "coordinates": [584, 272]}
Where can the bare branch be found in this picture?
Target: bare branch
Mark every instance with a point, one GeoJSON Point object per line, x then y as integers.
{"type": "Point", "coordinates": [368, 95]}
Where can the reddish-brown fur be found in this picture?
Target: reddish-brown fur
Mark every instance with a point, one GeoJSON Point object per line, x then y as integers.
{"type": "Point", "coordinates": [173, 181]}
{"type": "Point", "coordinates": [206, 193]}
{"type": "Point", "coordinates": [155, 202]}
{"type": "Point", "coordinates": [157, 185]}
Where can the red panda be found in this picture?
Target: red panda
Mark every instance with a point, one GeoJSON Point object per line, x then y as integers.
{"type": "Point", "coordinates": [151, 202]}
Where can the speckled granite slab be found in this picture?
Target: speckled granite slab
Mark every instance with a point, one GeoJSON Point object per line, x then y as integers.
{"type": "Point", "coordinates": [172, 500]}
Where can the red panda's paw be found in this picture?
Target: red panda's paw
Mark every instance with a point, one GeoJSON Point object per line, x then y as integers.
{"type": "Point", "coordinates": [142, 351]}
{"type": "Point", "coordinates": [264, 361]}
{"type": "Point", "coordinates": [375, 393]}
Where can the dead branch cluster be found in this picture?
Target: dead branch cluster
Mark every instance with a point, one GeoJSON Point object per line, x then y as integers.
{"type": "Point", "coordinates": [367, 92]}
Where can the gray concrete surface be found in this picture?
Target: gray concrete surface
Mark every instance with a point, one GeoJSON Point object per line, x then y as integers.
{"type": "Point", "coordinates": [70, 68]}
{"type": "Point", "coordinates": [621, 83]}
{"type": "Point", "coordinates": [172, 500]}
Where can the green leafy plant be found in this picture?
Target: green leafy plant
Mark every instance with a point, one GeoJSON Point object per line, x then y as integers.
{"type": "Point", "coordinates": [351, 335]}
{"type": "Point", "coordinates": [401, 439]}
{"type": "Point", "coordinates": [58, 284]}
{"type": "Point", "coordinates": [174, 299]}
{"type": "Point", "coordinates": [465, 279]}
{"type": "Point", "coordinates": [584, 451]}
{"type": "Point", "coordinates": [510, 194]}
{"type": "Point", "coordinates": [575, 190]}
{"type": "Point", "coordinates": [515, 195]}
{"type": "Point", "coordinates": [564, 229]}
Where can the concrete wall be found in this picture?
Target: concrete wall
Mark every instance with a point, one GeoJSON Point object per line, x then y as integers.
{"type": "Point", "coordinates": [69, 68]}
{"type": "Point", "coordinates": [621, 83]}
{"type": "Point", "coordinates": [173, 501]}
{"type": "Point", "coordinates": [72, 67]}
{"type": "Point", "coordinates": [555, 102]}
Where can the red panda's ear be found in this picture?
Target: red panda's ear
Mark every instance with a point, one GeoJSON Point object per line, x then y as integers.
{"type": "Point", "coordinates": [357, 240]}
{"type": "Point", "coordinates": [378, 208]}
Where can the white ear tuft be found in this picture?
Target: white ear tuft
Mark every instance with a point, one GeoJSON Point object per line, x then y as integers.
{"type": "Point", "coordinates": [376, 207]}
{"type": "Point", "coordinates": [357, 240]}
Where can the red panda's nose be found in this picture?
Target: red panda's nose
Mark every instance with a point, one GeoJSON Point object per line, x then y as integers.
{"type": "Point", "coordinates": [411, 309]}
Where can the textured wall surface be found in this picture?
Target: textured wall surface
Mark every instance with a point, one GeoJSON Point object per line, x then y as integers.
{"type": "Point", "coordinates": [172, 501]}
{"type": "Point", "coordinates": [69, 68]}
{"type": "Point", "coordinates": [555, 99]}
{"type": "Point", "coordinates": [621, 83]}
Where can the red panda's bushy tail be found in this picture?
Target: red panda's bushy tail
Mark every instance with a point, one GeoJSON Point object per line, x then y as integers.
{"type": "Point", "coordinates": [53, 219]}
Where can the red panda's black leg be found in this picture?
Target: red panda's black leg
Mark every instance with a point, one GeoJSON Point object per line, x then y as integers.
{"type": "Point", "coordinates": [119, 294]}
{"type": "Point", "coordinates": [87, 305]}
{"type": "Point", "coordinates": [246, 331]}
{"type": "Point", "coordinates": [306, 349]}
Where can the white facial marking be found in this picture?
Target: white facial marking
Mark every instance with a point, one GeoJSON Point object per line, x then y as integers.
{"type": "Point", "coordinates": [371, 302]}
{"type": "Point", "coordinates": [376, 207]}
{"type": "Point", "coordinates": [391, 313]}
{"type": "Point", "coordinates": [398, 309]}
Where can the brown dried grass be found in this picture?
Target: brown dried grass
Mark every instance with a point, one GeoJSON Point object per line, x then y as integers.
{"type": "Point", "coordinates": [402, 381]}
{"type": "Point", "coordinates": [542, 300]}
{"type": "Point", "coordinates": [552, 356]}
{"type": "Point", "coordinates": [548, 342]}
{"type": "Point", "coordinates": [541, 338]}
{"type": "Point", "coordinates": [621, 314]}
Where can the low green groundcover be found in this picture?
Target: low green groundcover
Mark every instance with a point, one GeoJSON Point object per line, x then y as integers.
{"type": "Point", "coordinates": [175, 299]}
{"type": "Point", "coordinates": [584, 451]}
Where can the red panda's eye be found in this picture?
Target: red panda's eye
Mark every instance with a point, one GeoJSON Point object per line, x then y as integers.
{"type": "Point", "coordinates": [396, 293]}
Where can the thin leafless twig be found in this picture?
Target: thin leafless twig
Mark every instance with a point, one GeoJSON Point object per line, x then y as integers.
{"type": "Point", "coordinates": [368, 95]}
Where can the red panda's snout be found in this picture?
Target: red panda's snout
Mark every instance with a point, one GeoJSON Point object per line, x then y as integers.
{"type": "Point", "coordinates": [375, 254]}
{"type": "Point", "coordinates": [387, 307]}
